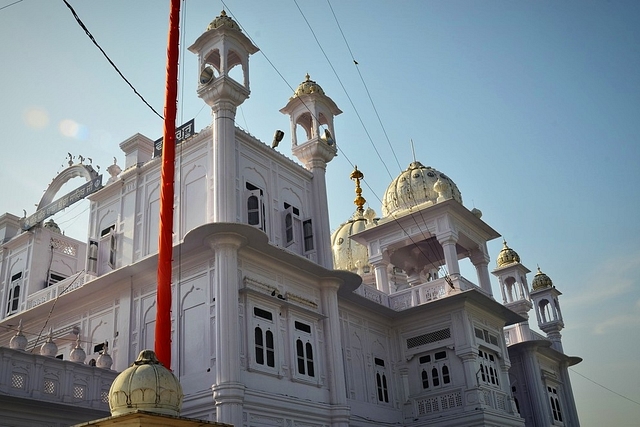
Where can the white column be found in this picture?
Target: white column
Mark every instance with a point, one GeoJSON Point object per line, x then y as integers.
{"type": "Point", "coordinates": [448, 242]}
{"type": "Point", "coordinates": [380, 265]}
{"type": "Point", "coordinates": [335, 363]}
{"type": "Point", "coordinates": [322, 229]}
{"type": "Point", "coordinates": [480, 260]}
{"type": "Point", "coordinates": [223, 194]}
{"type": "Point", "coordinates": [228, 392]}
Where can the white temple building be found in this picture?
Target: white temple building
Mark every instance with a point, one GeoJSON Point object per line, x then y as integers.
{"type": "Point", "coordinates": [277, 321]}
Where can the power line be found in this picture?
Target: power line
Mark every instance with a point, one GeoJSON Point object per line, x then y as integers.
{"type": "Point", "coordinates": [344, 89]}
{"type": "Point", "coordinates": [355, 63]}
{"type": "Point", "coordinates": [604, 387]}
{"type": "Point", "coordinates": [86, 30]}
{"type": "Point", "coordinates": [11, 4]}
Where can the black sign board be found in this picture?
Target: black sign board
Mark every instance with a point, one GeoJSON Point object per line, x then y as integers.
{"type": "Point", "coordinates": [183, 132]}
{"type": "Point", "coordinates": [63, 202]}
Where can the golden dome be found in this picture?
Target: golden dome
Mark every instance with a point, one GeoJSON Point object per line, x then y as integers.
{"type": "Point", "coordinates": [541, 281]}
{"type": "Point", "coordinates": [308, 87]}
{"type": "Point", "coordinates": [416, 185]}
{"type": "Point", "coordinates": [507, 256]}
{"type": "Point", "coordinates": [146, 385]}
{"type": "Point", "coordinates": [223, 21]}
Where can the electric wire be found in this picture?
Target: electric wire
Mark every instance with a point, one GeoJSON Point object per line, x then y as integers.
{"type": "Point", "coordinates": [604, 387]}
{"type": "Point", "coordinates": [86, 30]}
{"type": "Point", "coordinates": [54, 306]}
{"type": "Point", "coordinates": [11, 4]}
{"type": "Point", "coordinates": [344, 89]}
{"type": "Point", "coordinates": [366, 88]}
{"type": "Point", "coordinates": [426, 238]}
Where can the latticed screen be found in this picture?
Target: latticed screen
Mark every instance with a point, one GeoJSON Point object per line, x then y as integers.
{"type": "Point", "coordinates": [18, 381]}
{"type": "Point", "coordinates": [104, 396]}
{"type": "Point", "coordinates": [49, 387]}
{"type": "Point", "coordinates": [78, 392]}
{"type": "Point", "coordinates": [429, 338]}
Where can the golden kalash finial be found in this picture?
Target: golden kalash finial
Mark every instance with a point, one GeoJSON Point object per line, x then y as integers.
{"type": "Point", "coordinates": [359, 201]}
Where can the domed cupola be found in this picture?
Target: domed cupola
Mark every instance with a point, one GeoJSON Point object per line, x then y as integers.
{"type": "Point", "coordinates": [507, 256]}
{"type": "Point", "coordinates": [541, 281]}
{"type": "Point", "coordinates": [223, 21]}
{"type": "Point", "coordinates": [146, 385]}
{"type": "Point", "coordinates": [308, 87]}
{"type": "Point", "coordinates": [416, 185]}
{"type": "Point", "coordinates": [348, 254]}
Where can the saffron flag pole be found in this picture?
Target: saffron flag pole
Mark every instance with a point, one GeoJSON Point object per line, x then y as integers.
{"type": "Point", "coordinates": [165, 234]}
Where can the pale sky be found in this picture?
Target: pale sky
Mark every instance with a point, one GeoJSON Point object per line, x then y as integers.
{"type": "Point", "coordinates": [530, 107]}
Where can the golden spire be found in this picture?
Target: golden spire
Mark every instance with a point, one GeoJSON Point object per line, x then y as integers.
{"type": "Point", "coordinates": [359, 201]}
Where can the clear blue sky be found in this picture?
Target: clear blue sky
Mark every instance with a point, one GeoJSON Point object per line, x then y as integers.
{"type": "Point", "coordinates": [532, 108]}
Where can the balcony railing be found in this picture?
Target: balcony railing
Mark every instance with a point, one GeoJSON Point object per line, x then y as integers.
{"type": "Point", "coordinates": [33, 376]}
{"type": "Point", "coordinates": [417, 294]}
{"type": "Point", "coordinates": [52, 292]}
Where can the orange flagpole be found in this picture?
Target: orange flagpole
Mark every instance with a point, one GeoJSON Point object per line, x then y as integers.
{"type": "Point", "coordinates": [165, 238]}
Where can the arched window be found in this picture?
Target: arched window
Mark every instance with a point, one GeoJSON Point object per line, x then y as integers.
{"type": "Point", "coordinates": [13, 302]}
{"type": "Point", "coordinates": [445, 374]}
{"type": "Point", "coordinates": [425, 379]}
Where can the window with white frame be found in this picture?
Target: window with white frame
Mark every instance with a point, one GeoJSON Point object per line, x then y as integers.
{"type": "Point", "coordinates": [435, 370]}
{"type": "Point", "coordinates": [15, 286]}
{"type": "Point", "coordinates": [291, 226]}
{"type": "Point", "coordinates": [307, 232]}
{"type": "Point", "coordinates": [382, 387]}
{"type": "Point", "coordinates": [304, 350]}
{"type": "Point", "coordinates": [264, 339]}
{"type": "Point", "coordinates": [488, 372]}
{"type": "Point", "coordinates": [55, 278]}
{"type": "Point", "coordinates": [554, 402]}
{"type": "Point", "coordinates": [107, 249]}
{"type": "Point", "coordinates": [255, 206]}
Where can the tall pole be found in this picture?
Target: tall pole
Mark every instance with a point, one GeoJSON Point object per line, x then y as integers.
{"type": "Point", "coordinates": [165, 233]}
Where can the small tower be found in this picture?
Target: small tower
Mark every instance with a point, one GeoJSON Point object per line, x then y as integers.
{"type": "Point", "coordinates": [512, 276]}
{"type": "Point", "coordinates": [310, 108]}
{"type": "Point", "coordinates": [545, 300]}
{"type": "Point", "coordinates": [221, 48]}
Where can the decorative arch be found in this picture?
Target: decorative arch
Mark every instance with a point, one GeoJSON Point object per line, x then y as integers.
{"type": "Point", "coordinates": [82, 171]}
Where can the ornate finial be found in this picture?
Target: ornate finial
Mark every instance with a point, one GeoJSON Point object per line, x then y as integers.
{"type": "Point", "coordinates": [223, 13]}
{"type": "Point", "coordinates": [70, 156]}
{"type": "Point", "coordinates": [307, 77]}
{"type": "Point", "coordinates": [359, 201]}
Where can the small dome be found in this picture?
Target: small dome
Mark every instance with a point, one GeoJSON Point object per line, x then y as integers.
{"type": "Point", "coordinates": [223, 21]}
{"type": "Point", "coordinates": [308, 87]}
{"type": "Point", "coordinates": [146, 385]}
{"type": "Point", "coordinates": [49, 348]}
{"type": "Point", "coordinates": [78, 354]}
{"type": "Point", "coordinates": [51, 225]}
{"type": "Point", "coordinates": [416, 185]}
{"type": "Point", "coordinates": [348, 254]}
{"type": "Point", "coordinates": [104, 360]}
{"type": "Point", "coordinates": [541, 281]}
{"type": "Point", "coordinates": [507, 256]}
{"type": "Point", "coordinates": [18, 341]}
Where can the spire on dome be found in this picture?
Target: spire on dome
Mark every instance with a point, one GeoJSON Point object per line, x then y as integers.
{"type": "Point", "coordinates": [359, 201]}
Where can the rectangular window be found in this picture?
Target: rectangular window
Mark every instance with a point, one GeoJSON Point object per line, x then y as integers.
{"type": "Point", "coordinates": [488, 371]}
{"type": "Point", "coordinates": [55, 278]}
{"type": "Point", "coordinates": [13, 302]}
{"type": "Point", "coordinates": [435, 370]}
{"type": "Point", "coordinates": [264, 340]}
{"type": "Point", "coordinates": [307, 231]}
{"type": "Point", "coordinates": [554, 401]}
{"type": "Point", "coordinates": [255, 207]}
{"type": "Point", "coordinates": [304, 350]}
{"type": "Point", "coordinates": [381, 380]}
